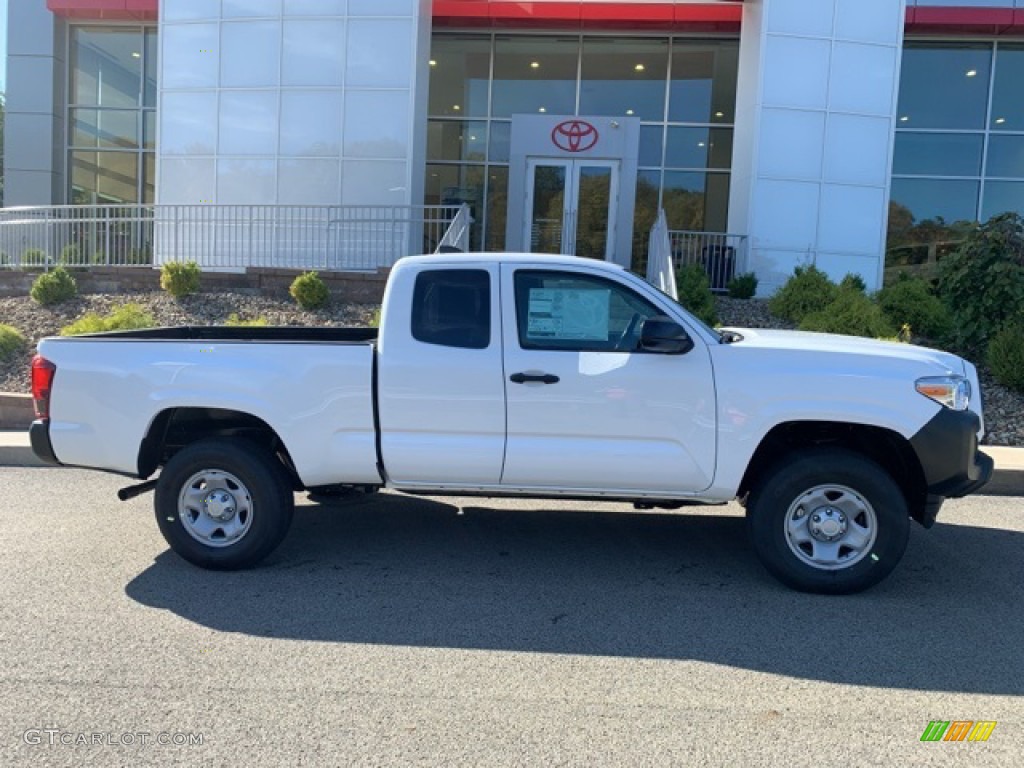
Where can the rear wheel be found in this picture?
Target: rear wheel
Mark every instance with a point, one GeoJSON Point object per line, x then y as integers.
{"type": "Point", "coordinates": [829, 521]}
{"type": "Point", "coordinates": [223, 504]}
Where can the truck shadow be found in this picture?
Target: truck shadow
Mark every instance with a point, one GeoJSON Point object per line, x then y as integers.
{"type": "Point", "coordinates": [396, 570]}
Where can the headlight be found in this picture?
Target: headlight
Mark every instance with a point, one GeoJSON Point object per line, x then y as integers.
{"type": "Point", "coordinates": [951, 391]}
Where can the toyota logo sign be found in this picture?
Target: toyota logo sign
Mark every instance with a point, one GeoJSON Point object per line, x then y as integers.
{"type": "Point", "coordinates": [574, 136]}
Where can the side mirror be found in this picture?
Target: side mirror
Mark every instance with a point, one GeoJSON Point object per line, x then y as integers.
{"type": "Point", "coordinates": [665, 336]}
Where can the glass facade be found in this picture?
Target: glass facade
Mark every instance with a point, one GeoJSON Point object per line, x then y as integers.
{"type": "Point", "coordinates": [959, 152]}
{"type": "Point", "coordinates": [683, 91]}
{"type": "Point", "coordinates": [111, 110]}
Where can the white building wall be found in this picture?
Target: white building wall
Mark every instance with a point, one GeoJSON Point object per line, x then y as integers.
{"type": "Point", "coordinates": [34, 109]}
{"type": "Point", "coordinates": [311, 102]}
{"type": "Point", "coordinates": [815, 120]}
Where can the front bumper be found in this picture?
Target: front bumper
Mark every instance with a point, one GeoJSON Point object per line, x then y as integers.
{"type": "Point", "coordinates": [947, 447]}
{"type": "Point", "coordinates": [39, 436]}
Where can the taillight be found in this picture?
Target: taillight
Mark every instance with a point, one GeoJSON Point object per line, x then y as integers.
{"type": "Point", "coordinates": [42, 383]}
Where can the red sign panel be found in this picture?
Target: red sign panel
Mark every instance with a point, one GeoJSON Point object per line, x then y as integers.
{"type": "Point", "coordinates": [574, 136]}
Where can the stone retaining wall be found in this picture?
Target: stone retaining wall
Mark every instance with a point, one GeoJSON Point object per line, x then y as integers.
{"type": "Point", "coordinates": [356, 287]}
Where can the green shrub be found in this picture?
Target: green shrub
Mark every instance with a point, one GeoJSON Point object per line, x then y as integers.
{"type": "Point", "coordinates": [127, 317]}
{"type": "Point", "coordinates": [852, 314]}
{"type": "Point", "coordinates": [35, 257]}
{"type": "Point", "coordinates": [910, 301]}
{"type": "Point", "coordinates": [375, 318]}
{"type": "Point", "coordinates": [1006, 355]}
{"type": "Point", "coordinates": [5, 260]}
{"type": "Point", "coordinates": [853, 282]}
{"type": "Point", "coordinates": [309, 291]}
{"type": "Point", "coordinates": [180, 278]}
{"type": "Point", "coordinates": [236, 321]}
{"type": "Point", "coordinates": [808, 290]}
{"type": "Point", "coordinates": [11, 341]}
{"type": "Point", "coordinates": [53, 287]}
{"type": "Point", "coordinates": [743, 286]}
{"type": "Point", "coordinates": [695, 293]}
{"type": "Point", "coordinates": [983, 281]}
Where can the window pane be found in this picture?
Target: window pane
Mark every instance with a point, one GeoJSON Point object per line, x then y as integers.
{"type": "Point", "coordinates": [452, 307]}
{"type": "Point", "coordinates": [648, 185]}
{"type": "Point", "coordinates": [703, 87]}
{"type": "Point", "coordinates": [535, 74]}
{"type": "Point", "coordinates": [150, 63]}
{"type": "Point", "coordinates": [460, 68]}
{"type": "Point", "coordinates": [1003, 196]}
{"type": "Point", "coordinates": [149, 129]}
{"type": "Point", "coordinates": [699, 148]}
{"type": "Point", "coordinates": [149, 178]}
{"type": "Point", "coordinates": [944, 85]}
{"type": "Point", "coordinates": [454, 185]}
{"type": "Point", "coordinates": [1005, 156]}
{"type": "Point", "coordinates": [501, 142]}
{"type": "Point", "coordinates": [624, 77]}
{"type": "Point", "coordinates": [935, 199]}
{"type": "Point", "coordinates": [450, 140]}
{"type": "Point", "coordinates": [696, 201]}
{"type": "Point", "coordinates": [106, 66]}
{"type": "Point", "coordinates": [108, 128]}
{"type": "Point", "coordinates": [937, 154]}
{"type": "Point", "coordinates": [1007, 105]}
{"type": "Point", "coordinates": [651, 141]}
{"type": "Point", "coordinates": [567, 311]}
{"type": "Point", "coordinates": [104, 177]}
{"type": "Point", "coordinates": [497, 209]}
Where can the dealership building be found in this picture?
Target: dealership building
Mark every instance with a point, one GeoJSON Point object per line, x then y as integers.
{"type": "Point", "coordinates": [824, 131]}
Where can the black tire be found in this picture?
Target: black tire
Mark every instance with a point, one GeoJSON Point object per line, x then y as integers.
{"type": "Point", "coordinates": [264, 505]}
{"type": "Point", "coordinates": [860, 488]}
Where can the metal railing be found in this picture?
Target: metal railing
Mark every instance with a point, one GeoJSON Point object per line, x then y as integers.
{"type": "Point", "coordinates": [722, 256]}
{"type": "Point", "coordinates": [228, 237]}
{"type": "Point", "coordinates": [661, 271]}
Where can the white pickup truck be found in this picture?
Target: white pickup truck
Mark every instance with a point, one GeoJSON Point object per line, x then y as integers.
{"type": "Point", "coordinates": [525, 375]}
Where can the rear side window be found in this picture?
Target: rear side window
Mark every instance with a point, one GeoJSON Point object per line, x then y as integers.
{"type": "Point", "coordinates": [452, 307]}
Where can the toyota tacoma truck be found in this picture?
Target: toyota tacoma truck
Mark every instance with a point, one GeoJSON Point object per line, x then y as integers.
{"type": "Point", "coordinates": [532, 376]}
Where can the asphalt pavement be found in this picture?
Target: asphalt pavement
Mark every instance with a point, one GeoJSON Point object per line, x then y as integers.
{"type": "Point", "coordinates": [390, 630]}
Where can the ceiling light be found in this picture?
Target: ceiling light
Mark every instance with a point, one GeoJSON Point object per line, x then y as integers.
{"type": "Point", "coordinates": [433, 63]}
{"type": "Point", "coordinates": [700, 143]}
{"type": "Point", "coordinates": [639, 67]}
{"type": "Point", "coordinates": [456, 107]}
{"type": "Point", "coordinates": [542, 109]}
{"type": "Point", "coordinates": [472, 138]}
{"type": "Point", "coordinates": [629, 111]}
{"type": "Point", "coordinates": [972, 72]}
{"type": "Point", "coordinates": [719, 114]}
{"type": "Point", "coordinates": [136, 55]}
{"type": "Point", "coordinates": [534, 65]}
{"type": "Point", "coordinates": [904, 119]}
{"type": "Point", "coordinates": [1000, 120]}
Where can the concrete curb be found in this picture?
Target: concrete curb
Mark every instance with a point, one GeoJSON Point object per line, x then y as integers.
{"type": "Point", "coordinates": [1007, 480]}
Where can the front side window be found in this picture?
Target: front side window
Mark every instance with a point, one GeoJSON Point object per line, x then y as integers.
{"type": "Point", "coordinates": [452, 308]}
{"type": "Point", "coordinates": [573, 312]}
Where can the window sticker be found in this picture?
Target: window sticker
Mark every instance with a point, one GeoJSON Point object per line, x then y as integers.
{"type": "Point", "coordinates": [568, 314]}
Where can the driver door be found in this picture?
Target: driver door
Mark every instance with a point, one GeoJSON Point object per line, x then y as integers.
{"type": "Point", "coordinates": [586, 409]}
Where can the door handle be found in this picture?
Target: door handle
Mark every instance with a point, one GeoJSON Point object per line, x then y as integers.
{"type": "Point", "coordinates": [540, 378]}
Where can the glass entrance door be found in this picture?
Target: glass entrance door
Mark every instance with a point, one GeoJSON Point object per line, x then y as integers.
{"type": "Point", "coordinates": [571, 206]}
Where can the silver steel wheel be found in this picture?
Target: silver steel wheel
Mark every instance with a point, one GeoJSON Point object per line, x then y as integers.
{"type": "Point", "coordinates": [831, 527]}
{"type": "Point", "coordinates": [215, 508]}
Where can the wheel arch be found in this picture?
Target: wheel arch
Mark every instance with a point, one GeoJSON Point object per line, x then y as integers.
{"type": "Point", "coordinates": [174, 428]}
{"type": "Point", "coordinates": [885, 447]}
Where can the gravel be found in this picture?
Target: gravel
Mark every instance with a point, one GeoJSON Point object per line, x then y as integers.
{"type": "Point", "coordinates": [1004, 409]}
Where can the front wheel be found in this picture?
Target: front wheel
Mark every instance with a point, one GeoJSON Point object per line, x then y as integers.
{"type": "Point", "coordinates": [828, 520]}
{"type": "Point", "coordinates": [223, 504]}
